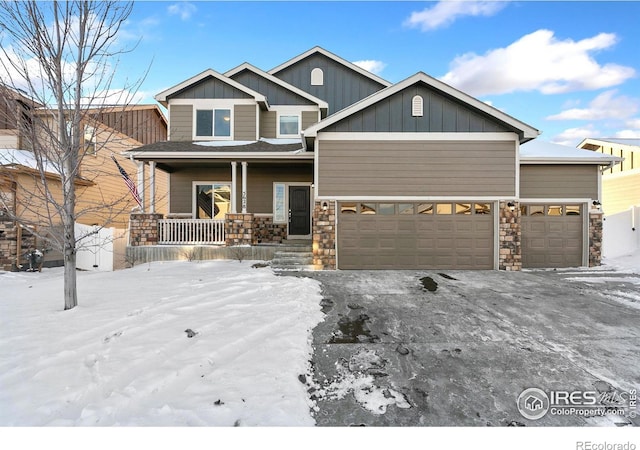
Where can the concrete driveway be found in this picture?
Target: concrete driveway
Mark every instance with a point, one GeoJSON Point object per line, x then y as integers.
{"type": "Point", "coordinates": [457, 348]}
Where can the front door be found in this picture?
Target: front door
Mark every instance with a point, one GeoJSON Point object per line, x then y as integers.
{"type": "Point", "coordinates": [299, 211]}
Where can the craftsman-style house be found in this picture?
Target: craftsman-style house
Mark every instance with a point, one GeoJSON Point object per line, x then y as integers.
{"type": "Point", "coordinates": [372, 175]}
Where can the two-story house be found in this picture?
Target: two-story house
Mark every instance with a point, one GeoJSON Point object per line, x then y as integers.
{"type": "Point", "coordinates": [373, 175]}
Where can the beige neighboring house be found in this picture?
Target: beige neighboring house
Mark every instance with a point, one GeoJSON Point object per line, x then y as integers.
{"type": "Point", "coordinates": [103, 198]}
{"type": "Point", "coordinates": [621, 182]}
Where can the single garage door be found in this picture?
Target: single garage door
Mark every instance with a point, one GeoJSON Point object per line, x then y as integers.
{"type": "Point", "coordinates": [377, 235]}
{"type": "Point", "coordinates": [552, 235]}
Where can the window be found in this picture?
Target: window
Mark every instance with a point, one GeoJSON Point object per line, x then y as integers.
{"type": "Point", "coordinates": [279, 203]}
{"type": "Point", "coordinates": [317, 77]}
{"type": "Point", "coordinates": [387, 209]}
{"type": "Point", "coordinates": [289, 125]}
{"type": "Point", "coordinates": [405, 208]}
{"type": "Point", "coordinates": [425, 208]}
{"type": "Point", "coordinates": [536, 210]}
{"type": "Point", "coordinates": [482, 208]}
{"type": "Point", "coordinates": [367, 208]}
{"type": "Point", "coordinates": [444, 208]}
{"type": "Point", "coordinates": [90, 140]}
{"type": "Point", "coordinates": [417, 106]}
{"type": "Point", "coordinates": [463, 208]}
{"type": "Point", "coordinates": [213, 123]}
{"type": "Point", "coordinates": [554, 210]}
{"type": "Point", "coordinates": [347, 208]}
{"type": "Point", "coordinates": [211, 200]}
{"type": "Point", "coordinates": [572, 210]}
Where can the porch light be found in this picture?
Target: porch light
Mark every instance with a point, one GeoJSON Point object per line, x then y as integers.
{"type": "Point", "coordinates": [512, 206]}
{"type": "Point", "coordinates": [596, 204]}
{"type": "Point", "coordinates": [325, 206]}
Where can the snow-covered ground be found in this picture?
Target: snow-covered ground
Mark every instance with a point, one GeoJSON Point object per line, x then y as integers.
{"type": "Point", "coordinates": [123, 357]}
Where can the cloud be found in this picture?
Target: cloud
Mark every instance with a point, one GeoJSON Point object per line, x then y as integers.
{"type": "Point", "coordinates": [538, 61]}
{"type": "Point", "coordinates": [114, 97]}
{"type": "Point", "coordinates": [572, 136]}
{"type": "Point", "coordinates": [605, 106]}
{"type": "Point", "coordinates": [628, 134]}
{"type": "Point", "coordinates": [445, 13]}
{"type": "Point", "coordinates": [371, 65]}
{"type": "Point", "coordinates": [183, 9]}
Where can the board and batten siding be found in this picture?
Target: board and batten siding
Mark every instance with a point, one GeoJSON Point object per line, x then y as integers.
{"type": "Point", "coordinates": [342, 86]}
{"type": "Point", "coordinates": [276, 94]}
{"type": "Point", "coordinates": [439, 114]}
{"type": "Point", "coordinates": [180, 122]}
{"type": "Point", "coordinates": [244, 123]}
{"type": "Point", "coordinates": [210, 88]}
{"type": "Point", "coordinates": [416, 168]}
{"type": "Point", "coordinates": [558, 181]}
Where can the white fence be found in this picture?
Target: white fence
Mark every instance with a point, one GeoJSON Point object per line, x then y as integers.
{"type": "Point", "coordinates": [620, 233]}
{"type": "Point", "coordinates": [191, 231]}
{"type": "Point", "coordinates": [100, 249]}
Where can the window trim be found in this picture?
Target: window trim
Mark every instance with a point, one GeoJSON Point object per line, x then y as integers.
{"type": "Point", "coordinates": [213, 107]}
{"type": "Point", "coordinates": [317, 77]}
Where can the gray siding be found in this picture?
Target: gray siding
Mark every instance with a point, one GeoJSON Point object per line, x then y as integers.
{"type": "Point", "coordinates": [276, 94]}
{"type": "Point", "coordinates": [309, 118]}
{"type": "Point", "coordinates": [268, 124]}
{"type": "Point", "coordinates": [342, 86]}
{"type": "Point", "coordinates": [558, 181]}
{"type": "Point", "coordinates": [416, 168]}
{"type": "Point", "coordinates": [440, 114]}
{"type": "Point", "coordinates": [210, 88]}
{"type": "Point", "coordinates": [260, 179]}
{"type": "Point", "coordinates": [181, 122]}
{"type": "Point", "coordinates": [244, 123]}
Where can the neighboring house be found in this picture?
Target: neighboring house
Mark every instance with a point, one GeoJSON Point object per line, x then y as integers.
{"type": "Point", "coordinates": [374, 175]}
{"type": "Point", "coordinates": [102, 197]}
{"type": "Point", "coordinates": [620, 183]}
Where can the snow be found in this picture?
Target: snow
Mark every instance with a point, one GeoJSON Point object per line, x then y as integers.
{"type": "Point", "coordinates": [279, 141]}
{"type": "Point", "coordinates": [540, 149]}
{"type": "Point", "coordinates": [123, 356]}
{"type": "Point", "coordinates": [10, 156]}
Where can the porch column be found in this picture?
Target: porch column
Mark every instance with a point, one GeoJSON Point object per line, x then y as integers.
{"type": "Point", "coordinates": [244, 187]}
{"type": "Point", "coordinates": [234, 176]}
{"type": "Point", "coordinates": [152, 187]}
{"type": "Point", "coordinates": [140, 186]}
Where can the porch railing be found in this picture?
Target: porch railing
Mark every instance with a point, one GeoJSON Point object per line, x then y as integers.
{"type": "Point", "coordinates": [191, 231]}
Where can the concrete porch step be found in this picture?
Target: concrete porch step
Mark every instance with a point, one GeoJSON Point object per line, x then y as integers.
{"type": "Point", "coordinates": [295, 267]}
{"type": "Point", "coordinates": [293, 257]}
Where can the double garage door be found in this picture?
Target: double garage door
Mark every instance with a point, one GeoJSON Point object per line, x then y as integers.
{"type": "Point", "coordinates": [460, 235]}
{"type": "Point", "coordinates": [440, 235]}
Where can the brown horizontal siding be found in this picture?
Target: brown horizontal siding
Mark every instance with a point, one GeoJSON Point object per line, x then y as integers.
{"type": "Point", "coordinates": [309, 118]}
{"type": "Point", "coordinates": [558, 181]}
{"type": "Point", "coordinates": [181, 123]}
{"type": "Point", "coordinates": [415, 168]}
{"type": "Point", "coordinates": [244, 124]}
{"type": "Point", "coordinates": [260, 179]}
{"type": "Point", "coordinates": [268, 124]}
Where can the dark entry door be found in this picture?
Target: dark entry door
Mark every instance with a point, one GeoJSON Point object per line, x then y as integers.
{"type": "Point", "coordinates": [299, 210]}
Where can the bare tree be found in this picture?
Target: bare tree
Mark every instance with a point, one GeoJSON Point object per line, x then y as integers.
{"type": "Point", "coordinates": [60, 55]}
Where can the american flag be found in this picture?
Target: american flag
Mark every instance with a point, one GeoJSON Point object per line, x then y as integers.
{"type": "Point", "coordinates": [130, 184]}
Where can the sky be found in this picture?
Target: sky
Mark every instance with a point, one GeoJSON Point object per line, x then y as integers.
{"type": "Point", "coordinates": [570, 69]}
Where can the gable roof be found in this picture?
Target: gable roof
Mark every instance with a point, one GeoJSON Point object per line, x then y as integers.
{"type": "Point", "coordinates": [162, 96]}
{"type": "Point", "coordinates": [334, 57]}
{"type": "Point", "coordinates": [543, 152]}
{"type": "Point", "coordinates": [246, 66]}
{"type": "Point", "coordinates": [594, 143]}
{"type": "Point", "coordinates": [526, 132]}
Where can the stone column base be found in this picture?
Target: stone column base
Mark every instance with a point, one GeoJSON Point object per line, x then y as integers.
{"type": "Point", "coordinates": [324, 235]}
{"type": "Point", "coordinates": [510, 237]}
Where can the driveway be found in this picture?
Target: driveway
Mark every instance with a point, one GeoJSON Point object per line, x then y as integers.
{"type": "Point", "coordinates": [457, 348]}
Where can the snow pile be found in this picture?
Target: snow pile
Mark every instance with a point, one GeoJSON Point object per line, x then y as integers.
{"type": "Point", "coordinates": [165, 344]}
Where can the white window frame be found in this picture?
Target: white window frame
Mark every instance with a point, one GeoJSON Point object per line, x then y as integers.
{"type": "Point", "coordinates": [212, 104]}
{"type": "Point", "coordinates": [213, 136]}
{"type": "Point", "coordinates": [280, 114]}
{"type": "Point", "coordinates": [194, 202]}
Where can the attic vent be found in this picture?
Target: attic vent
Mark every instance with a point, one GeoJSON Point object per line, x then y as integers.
{"type": "Point", "coordinates": [416, 106]}
{"type": "Point", "coordinates": [317, 77]}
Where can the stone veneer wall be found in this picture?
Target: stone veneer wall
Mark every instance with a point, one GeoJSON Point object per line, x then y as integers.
{"type": "Point", "coordinates": [264, 230]}
{"type": "Point", "coordinates": [324, 236]}
{"type": "Point", "coordinates": [143, 229]}
{"type": "Point", "coordinates": [510, 238]}
{"type": "Point", "coordinates": [595, 237]}
{"type": "Point", "coordinates": [238, 229]}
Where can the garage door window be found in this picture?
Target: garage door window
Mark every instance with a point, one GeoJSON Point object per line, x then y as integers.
{"type": "Point", "coordinates": [554, 210]}
{"type": "Point", "coordinates": [348, 208]}
{"type": "Point", "coordinates": [551, 210]}
{"type": "Point", "coordinates": [482, 208]}
{"type": "Point", "coordinates": [405, 208]}
{"type": "Point", "coordinates": [425, 208]}
{"type": "Point", "coordinates": [463, 208]}
{"type": "Point", "coordinates": [387, 209]}
{"type": "Point", "coordinates": [367, 208]}
{"type": "Point", "coordinates": [536, 210]}
{"type": "Point", "coordinates": [444, 208]}
{"type": "Point", "coordinates": [573, 210]}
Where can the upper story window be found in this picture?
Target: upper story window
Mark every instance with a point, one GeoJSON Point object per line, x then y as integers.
{"type": "Point", "coordinates": [317, 77]}
{"type": "Point", "coordinates": [417, 106]}
{"type": "Point", "coordinates": [289, 125]}
{"type": "Point", "coordinates": [213, 123]}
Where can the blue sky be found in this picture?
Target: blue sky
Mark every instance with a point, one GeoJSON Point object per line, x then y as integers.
{"type": "Point", "coordinates": [570, 69]}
